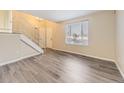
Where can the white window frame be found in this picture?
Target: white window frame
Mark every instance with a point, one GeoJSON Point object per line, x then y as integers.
{"type": "Point", "coordinates": [79, 38]}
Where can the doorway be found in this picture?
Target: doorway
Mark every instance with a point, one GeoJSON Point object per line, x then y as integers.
{"type": "Point", "coordinates": [49, 37]}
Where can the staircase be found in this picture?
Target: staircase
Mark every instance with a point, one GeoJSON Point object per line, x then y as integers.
{"type": "Point", "coordinates": [15, 47]}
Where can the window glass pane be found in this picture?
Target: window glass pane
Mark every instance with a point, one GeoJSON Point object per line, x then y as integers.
{"type": "Point", "coordinates": [5, 21]}
{"type": "Point", "coordinates": [77, 33]}
{"type": "Point", "coordinates": [76, 29]}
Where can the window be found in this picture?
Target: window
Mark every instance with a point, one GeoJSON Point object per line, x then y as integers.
{"type": "Point", "coordinates": [77, 33]}
{"type": "Point", "coordinates": [5, 21]}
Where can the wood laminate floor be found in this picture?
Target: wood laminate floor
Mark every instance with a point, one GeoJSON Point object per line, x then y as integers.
{"type": "Point", "coordinates": [56, 66]}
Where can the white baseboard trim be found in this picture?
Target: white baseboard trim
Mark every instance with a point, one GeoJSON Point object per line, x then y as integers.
{"type": "Point", "coordinates": [121, 72]}
{"type": "Point", "coordinates": [15, 60]}
{"type": "Point", "coordinates": [106, 59]}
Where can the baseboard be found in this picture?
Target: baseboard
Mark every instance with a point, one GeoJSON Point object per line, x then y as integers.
{"type": "Point", "coordinates": [106, 59]}
{"type": "Point", "coordinates": [21, 58]}
{"type": "Point", "coordinates": [121, 72]}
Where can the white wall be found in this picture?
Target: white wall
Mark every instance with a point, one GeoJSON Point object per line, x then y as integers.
{"type": "Point", "coordinates": [13, 49]}
{"type": "Point", "coordinates": [101, 36]}
{"type": "Point", "coordinates": [120, 40]}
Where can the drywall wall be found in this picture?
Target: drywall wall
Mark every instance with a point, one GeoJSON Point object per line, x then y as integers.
{"type": "Point", "coordinates": [13, 49]}
{"type": "Point", "coordinates": [101, 33]}
{"type": "Point", "coordinates": [101, 36]}
{"type": "Point", "coordinates": [30, 26]}
{"type": "Point", "coordinates": [50, 29]}
{"type": "Point", "coordinates": [120, 40]}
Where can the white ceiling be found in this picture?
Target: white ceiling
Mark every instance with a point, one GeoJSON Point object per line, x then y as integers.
{"type": "Point", "coordinates": [58, 15]}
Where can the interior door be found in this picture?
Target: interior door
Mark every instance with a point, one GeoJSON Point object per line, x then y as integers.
{"type": "Point", "coordinates": [49, 37]}
{"type": "Point", "coordinates": [42, 35]}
